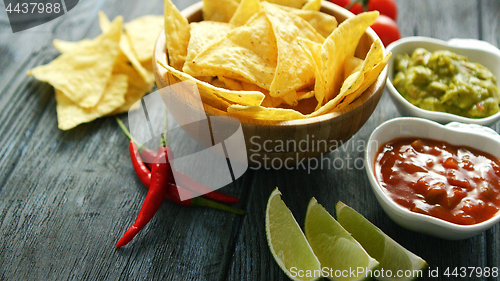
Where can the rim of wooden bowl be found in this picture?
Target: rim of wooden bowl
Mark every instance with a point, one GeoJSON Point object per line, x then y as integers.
{"type": "Point", "coordinates": [194, 13]}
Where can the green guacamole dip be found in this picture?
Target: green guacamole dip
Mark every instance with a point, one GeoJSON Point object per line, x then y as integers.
{"type": "Point", "coordinates": [447, 82]}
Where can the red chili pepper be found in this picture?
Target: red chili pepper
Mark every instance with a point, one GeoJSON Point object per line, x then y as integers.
{"type": "Point", "coordinates": [161, 175]}
{"type": "Point", "coordinates": [208, 193]}
{"type": "Point", "coordinates": [139, 167]}
{"type": "Point", "coordinates": [145, 177]}
{"type": "Point", "coordinates": [149, 155]}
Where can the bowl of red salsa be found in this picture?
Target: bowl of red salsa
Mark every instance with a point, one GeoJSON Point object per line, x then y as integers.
{"type": "Point", "coordinates": [441, 180]}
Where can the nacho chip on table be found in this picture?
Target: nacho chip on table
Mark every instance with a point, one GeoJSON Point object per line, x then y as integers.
{"type": "Point", "coordinates": [126, 49]}
{"type": "Point", "coordinates": [142, 33]}
{"type": "Point", "coordinates": [71, 72]}
{"type": "Point", "coordinates": [64, 46]}
{"type": "Point", "coordinates": [69, 114]}
{"type": "Point", "coordinates": [137, 87]}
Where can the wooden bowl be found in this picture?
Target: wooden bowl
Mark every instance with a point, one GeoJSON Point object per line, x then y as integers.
{"type": "Point", "coordinates": [280, 143]}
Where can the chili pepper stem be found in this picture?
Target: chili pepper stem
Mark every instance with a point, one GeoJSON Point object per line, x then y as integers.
{"type": "Point", "coordinates": [202, 202]}
{"type": "Point", "coordinates": [129, 136]}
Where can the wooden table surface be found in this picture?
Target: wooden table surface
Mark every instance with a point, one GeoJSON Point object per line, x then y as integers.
{"type": "Point", "coordinates": [66, 197]}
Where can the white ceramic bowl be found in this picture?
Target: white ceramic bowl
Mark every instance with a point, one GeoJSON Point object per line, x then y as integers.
{"type": "Point", "coordinates": [476, 50]}
{"type": "Point", "coordinates": [476, 136]}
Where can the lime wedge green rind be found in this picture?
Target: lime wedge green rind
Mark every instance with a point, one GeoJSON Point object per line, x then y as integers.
{"type": "Point", "coordinates": [335, 248]}
{"type": "Point", "coordinates": [380, 246]}
{"type": "Point", "coordinates": [288, 243]}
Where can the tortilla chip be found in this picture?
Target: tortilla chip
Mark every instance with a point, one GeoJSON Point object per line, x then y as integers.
{"type": "Point", "coordinates": [70, 115]}
{"type": "Point", "coordinates": [247, 53]}
{"type": "Point", "coordinates": [312, 5]}
{"type": "Point", "coordinates": [305, 94]}
{"type": "Point", "coordinates": [176, 35]}
{"type": "Point", "coordinates": [82, 72]}
{"type": "Point", "coordinates": [352, 65]}
{"type": "Point", "coordinates": [231, 84]}
{"type": "Point", "coordinates": [137, 87]}
{"type": "Point", "coordinates": [246, 9]}
{"type": "Point", "coordinates": [264, 113]}
{"type": "Point", "coordinates": [360, 80]}
{"type": "Point", "coordinates": [294, 71]}
{"type": "Point", "coordinates": [221, 10]}
{"type": "Point", "coordinates": [313, 53]}
{"type": "Point", "coordinates": [142, 33]}
{"type": "Point", "coordinates": [289, 3]}
{"type": "Point", "coordinates": [126, 49]}
{"type": "Point", "coordinates": [370, 70]}
{"type": "Point", "coordinates": [64, 46]}
{"type": "Point", "coordinates": [211, 92]}
{"type": "Point", "coordinates": [323, 23]}
{"type": "Point", "coordinates": [204, 34]}
{"type": "Point", "coordinates": [336, 49]}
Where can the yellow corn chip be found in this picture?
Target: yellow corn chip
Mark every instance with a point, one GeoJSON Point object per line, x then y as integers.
{"type": "Point", "coordinates": [204, 34]}
{"type": "Point", "coordinates": [247, 53]}
{"type": "Point", "coordinates": [137, 87]}
{"type": "Point", "coordinates": [271, 102]}
{"type": "Point", "coordinates": [82, 73]}
{"type": "Point", "coordinates": [213, 93]}
{"type": "Point", "coordinates": [246, 9]}
{"type": "Point", "coordinates": [323, 23]}
{"type": "Point", "coordinates": [264, 113]}
{"type": "Point", "coordinates": [142, 33]}
{"type": "Point", "coordinates": [352, 65]}
{"type": "Point", "coordinates": [290, 3]}
{"type": "Point", "coordinates": [313, 53]}
{"type": "Point", "coordinates": [371, 69]}
{"type": "Point", "coordinates": [221, 10]}
{"type": "Point", "coordinates": [176, 35]}
{"type": "Point", "coordinates": [294, 71]}
{"type": "Point", "coordinates": [64, 46]}
{"type": "Point", "coordinates": [312, 5]}
{"type": "Point", "coordinates": [70, 115]}
{"type": "Point", "coordinates": [358, 81]}
{"type": "Point", "coordinates": [126, 50]}
{"type": "Point", "coordinates": [305, 94]}
{"type": "Point", "coordinates": [231, 84]}
{"type": "Point", "coordinates": [336, 49]}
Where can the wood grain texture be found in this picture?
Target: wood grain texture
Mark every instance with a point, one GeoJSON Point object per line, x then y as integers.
{"type": "Point", "coordinates": [67, 197]}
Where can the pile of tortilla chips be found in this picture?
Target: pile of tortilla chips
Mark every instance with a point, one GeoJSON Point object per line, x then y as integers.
{"type": "Point", "coordinates": [105, 75]}
{"type": "Point", "coordinates": [272, 60]}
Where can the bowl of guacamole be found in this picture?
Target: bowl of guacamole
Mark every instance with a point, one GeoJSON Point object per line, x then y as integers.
{"type": "Point", "coordinates": [445, 81]}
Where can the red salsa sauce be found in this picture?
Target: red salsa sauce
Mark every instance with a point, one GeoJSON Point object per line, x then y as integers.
{"type": "Point", "coordinates": [457, 184]}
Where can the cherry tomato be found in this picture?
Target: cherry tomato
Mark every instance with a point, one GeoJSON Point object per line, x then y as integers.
{"type": "Point", "coordinates": [385, 7]}
{"type": "Point", "coordinates": [357, 8]}
{"type": "Point", "coordinates": [387, 29]}
{"type": "Point", "coordinates": [342, 3]}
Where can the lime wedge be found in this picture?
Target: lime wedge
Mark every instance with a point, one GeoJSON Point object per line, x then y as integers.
{"type": "Point", "coordinates": [287, 242]}
{"type": "Point", "coordinates": [396, 262]}
{"type": "Point", "coordinates": [342, 256]}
